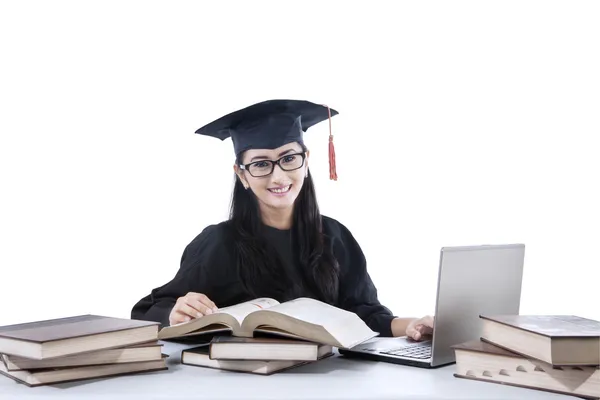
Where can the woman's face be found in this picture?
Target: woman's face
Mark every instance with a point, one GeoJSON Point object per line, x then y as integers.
{"type": "Point", "coordinates": [279, 188]}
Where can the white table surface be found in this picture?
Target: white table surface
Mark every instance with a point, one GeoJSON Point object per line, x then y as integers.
{"type": "Point", "coordinates": [332, 378]}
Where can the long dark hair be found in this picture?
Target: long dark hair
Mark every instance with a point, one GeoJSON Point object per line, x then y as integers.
{"type": "Point", "coordinates": [259, 266]}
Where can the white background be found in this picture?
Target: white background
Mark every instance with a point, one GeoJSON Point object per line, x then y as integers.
{"type": "Point", "coordinates": [461, 123]}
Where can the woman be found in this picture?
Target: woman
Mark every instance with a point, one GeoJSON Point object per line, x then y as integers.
{"type": "Point", "coordinates": [276, 243]}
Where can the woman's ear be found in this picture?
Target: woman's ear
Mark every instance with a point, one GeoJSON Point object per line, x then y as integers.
{"type": "Point", "coordinates": [240, 175]}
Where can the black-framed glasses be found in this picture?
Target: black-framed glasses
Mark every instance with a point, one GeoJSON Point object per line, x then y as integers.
{"type": "Point", "coordinates": [288, 162]}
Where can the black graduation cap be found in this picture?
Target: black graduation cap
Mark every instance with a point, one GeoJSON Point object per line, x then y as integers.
{"type": "Point", "coordinates": [271, 124]}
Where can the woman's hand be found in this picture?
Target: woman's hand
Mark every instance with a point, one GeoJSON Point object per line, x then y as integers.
{"type": "Point", "coordinates": [192, 305]}
{"type": "Point", "coordinates": [419, 327]}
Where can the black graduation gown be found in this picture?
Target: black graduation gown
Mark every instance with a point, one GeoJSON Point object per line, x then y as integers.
{"type": "Point", "coordinates": [208, 267]}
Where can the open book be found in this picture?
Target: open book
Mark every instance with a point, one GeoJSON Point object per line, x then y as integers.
{"type": "Point", "coordinates": [302, 318]}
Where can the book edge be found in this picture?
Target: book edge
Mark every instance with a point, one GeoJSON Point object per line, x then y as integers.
{"type": "Point", "coordinates": [482, 379]}
{"type": "Point", "coordinates": [527, 356]}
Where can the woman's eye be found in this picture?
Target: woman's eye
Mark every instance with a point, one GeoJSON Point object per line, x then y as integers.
{"type": "Point", "coordinates": [261, 164]}
{"type": "Point", "coordinates": [289, 159]}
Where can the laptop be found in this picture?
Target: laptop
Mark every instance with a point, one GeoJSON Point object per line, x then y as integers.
{"type": "Point", "coordinates": [472, 280]}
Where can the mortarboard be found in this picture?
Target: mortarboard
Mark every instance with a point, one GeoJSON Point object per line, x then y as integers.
{"type": "Point", "coordinates": [271, 124]}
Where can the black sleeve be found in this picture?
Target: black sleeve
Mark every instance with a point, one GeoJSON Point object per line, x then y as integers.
{"type": "Point", "coordinates": [357, 293]}
{"type": "Point", "coordinates": [196, 274]}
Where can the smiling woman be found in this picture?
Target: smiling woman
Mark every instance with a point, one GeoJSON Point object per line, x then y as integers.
{"type": "Point", "coordinates": [276, 243]}
{"type": "Point", "coordinates": [276, 189]}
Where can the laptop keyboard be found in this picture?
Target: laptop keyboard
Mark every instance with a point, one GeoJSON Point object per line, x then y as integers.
{"type": "Point", "coordinates": [419, 351]}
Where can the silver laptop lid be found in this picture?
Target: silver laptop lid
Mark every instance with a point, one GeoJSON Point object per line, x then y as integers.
{"type": "Point", "coordinates": [474, 280]}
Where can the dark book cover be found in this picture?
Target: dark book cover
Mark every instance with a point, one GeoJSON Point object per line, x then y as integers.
{"type": "Point", "coordinates": [70, 327]}
{"type": "Point", "coordinates": [553, 326]}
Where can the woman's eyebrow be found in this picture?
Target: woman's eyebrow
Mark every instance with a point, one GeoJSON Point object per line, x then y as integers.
{"type": "Point", "coordinates": [265, 157]}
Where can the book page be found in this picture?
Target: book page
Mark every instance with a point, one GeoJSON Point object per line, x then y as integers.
{"type": "Point", "coordinates": [344, 326]}
{"type": "Point", "coordinates": [239, 311]}
{"type": "Point", "coordinates": [314, 312]}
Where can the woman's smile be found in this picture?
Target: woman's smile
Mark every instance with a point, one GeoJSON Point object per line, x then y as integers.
{"type": "Point", "coordinates": [280, 190]}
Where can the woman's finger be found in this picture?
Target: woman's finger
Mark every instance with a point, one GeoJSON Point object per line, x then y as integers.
{"type": "Point", "coordinates": [208, 302]}
{"type": "Point", "coordinates": [424, 329]}
{"type": "Point", "coordinates": [411, 332]}
{"type": "Point", "coordinates": [199, 306]}
{"type": "Point", "coordinates": [178, 317]}
{"type": "Point", "coordinates": [188, 310]}
{"type": "Point", "coordinates": [202, 298]}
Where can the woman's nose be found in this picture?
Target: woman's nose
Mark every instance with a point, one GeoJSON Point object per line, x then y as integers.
{"type": "Point", "coordinates": [278, 173]}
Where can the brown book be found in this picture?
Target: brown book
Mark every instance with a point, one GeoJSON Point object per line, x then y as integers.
{"type": "Point", "coordinates": [65, 336]}
{"type": "Point", "coordinates": [199, 357]}
{"type": "Point", "coordinates": [135, 353]}
{"type": "Point", "coordinates": [555, 339]}
{"type": "Point", "coordinates": [262, 348]}
{"type": "Point", "coordinates": [483, 361]}
{"type": "Point", "coordinates": [303, 318]}
{"type": "Point", "coordinates": [60, 375]}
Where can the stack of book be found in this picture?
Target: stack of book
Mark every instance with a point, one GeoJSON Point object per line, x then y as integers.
{"type": "Point", "coordinates": [554, 353]}
{"type": "Point", "coordinates": [264, 336]}
{"type": "Point", "coordinates": [76, 348]}
{"type": "Point", "coordinates": [263, 356]}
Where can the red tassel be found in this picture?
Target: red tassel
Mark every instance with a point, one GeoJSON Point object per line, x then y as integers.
{"type": "Point", "coordinates": [332, 171]}
{"type": "Point", "coordinates": [332, 167]}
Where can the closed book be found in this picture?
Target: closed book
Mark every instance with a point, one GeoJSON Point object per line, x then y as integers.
{"type": "Point", "coordinates": [64, 336]}
{"type": "Point", "coordinates": [555, 339]}
{"type": "Point", "coordinates": [59, 375]}
{"type": "Point", "coordinates": [199, 356]}
{"type": "Point", "coordinates": [134, 353]}
{"type": "Point", "coordinates": [483, 361]}
{"type": "Point", "coordinates": [262, 348]}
